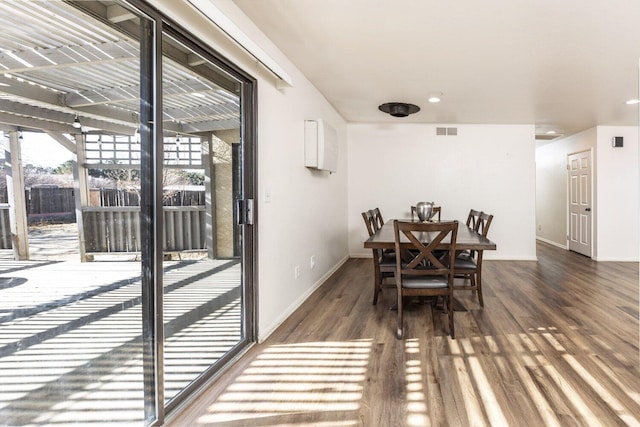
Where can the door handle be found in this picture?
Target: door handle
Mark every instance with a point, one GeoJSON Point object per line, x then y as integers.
{"type": "Point", "coordinates": [244, 211]}
{"type": "Point", "coordinates": [588, 209]}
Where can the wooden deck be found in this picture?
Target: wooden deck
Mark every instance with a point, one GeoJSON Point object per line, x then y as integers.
{"type": "Point", "coordinates": [70, 336]}
{"type": "Point", "coordinates": [555, 345]}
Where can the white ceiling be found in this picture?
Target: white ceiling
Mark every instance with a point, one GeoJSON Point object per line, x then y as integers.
{"type": "Point", "coordinates": [564, 65]}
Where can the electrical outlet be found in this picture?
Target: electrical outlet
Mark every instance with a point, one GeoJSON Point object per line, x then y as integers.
{"type": "Point", "coordinates": [296, 272]}
{"type": "Point", "coordinates": [312, 262]}
{"type": "Point", "coordinates": [539, 227]}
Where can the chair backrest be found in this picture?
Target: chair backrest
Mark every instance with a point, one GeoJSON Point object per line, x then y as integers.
{"type": "Point", "coordinates": [369, 222]}
{"type": "Point", "coordinates": [472, 219]}
{"type": "Point", "coordinates": [484, 222]}
{"type": "Point", "coordinates": [377, 216]}
{"type": "Point", "coordinates": [436, 210]}
{"type": "Point", "coordinates": [424, 260]}
{"type": "Point", "coordinates": [374, 220]}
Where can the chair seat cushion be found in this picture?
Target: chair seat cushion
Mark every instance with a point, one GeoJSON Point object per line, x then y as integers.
{"type": "Point", "coordinates": [387, 260]}
{"type": "Point", "coordinates": [465, 263]}
{"type": "Point", "coordinates": [463, 254]}
{"type": "Point", "coordinates": [424, 282]}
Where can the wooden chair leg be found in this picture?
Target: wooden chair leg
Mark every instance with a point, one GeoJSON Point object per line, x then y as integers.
{"type": "Point", "coordinates": [449, 303]}
{"type": "Point", "coordinates": [400, 331]}
{"type": "Point", "coordinates": [479, 287]}
{"type": "Point", "coordinates": [376, 282]}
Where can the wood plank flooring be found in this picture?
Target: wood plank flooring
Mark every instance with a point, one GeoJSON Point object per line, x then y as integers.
{"type": "Point", "coordinates": [555, 345]}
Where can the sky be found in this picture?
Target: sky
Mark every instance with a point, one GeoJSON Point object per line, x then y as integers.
{"type": "Point", "coordinates": [39, 149]}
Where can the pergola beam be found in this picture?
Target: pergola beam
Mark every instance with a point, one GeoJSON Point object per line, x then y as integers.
{"type": "Point", "coordinates": [22, 89]}
{"type": "Point", "coordinates": [117, 13]}
{"type": "Point", "coordinates": [62, 140]}
{"type": "Point", "coordinates": [33, 123]}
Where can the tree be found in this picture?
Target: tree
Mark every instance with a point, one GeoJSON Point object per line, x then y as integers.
{"type": "Point", "coordinates": [194, 178]}
{"type": "Point", "coordinates": [64, 168]}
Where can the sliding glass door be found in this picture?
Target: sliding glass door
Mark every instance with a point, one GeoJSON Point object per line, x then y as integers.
{"type": "Point", "coordinates": [154, 294]}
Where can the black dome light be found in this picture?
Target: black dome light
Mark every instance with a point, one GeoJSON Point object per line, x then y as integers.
{"type": "Point", "coordinates": [399, 109]}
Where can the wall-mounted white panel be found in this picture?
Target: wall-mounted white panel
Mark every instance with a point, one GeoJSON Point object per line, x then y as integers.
{"type": "Point", "coordinates": [320, 145]}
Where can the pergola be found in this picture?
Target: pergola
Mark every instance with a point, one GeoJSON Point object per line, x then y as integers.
{"type": "Point", "coordinates": [79, 83]}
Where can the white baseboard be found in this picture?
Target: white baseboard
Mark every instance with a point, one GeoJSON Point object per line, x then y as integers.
{"type": "Point", "coordinates": [556, 244]}
{"type": "Point", "coordinates": [361, 255]}
{"type": "Point", "coordinates": [509, 258]}
{"type": "Point", "coordinates": [263, 335]}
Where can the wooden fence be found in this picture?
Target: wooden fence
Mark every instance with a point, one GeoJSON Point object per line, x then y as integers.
{"type": "Point", "coordinates": [113, 227]}
{"type": "Point", "coordinates": [117, 229]}
{"type": "Point", "coordinates": [5, 227]}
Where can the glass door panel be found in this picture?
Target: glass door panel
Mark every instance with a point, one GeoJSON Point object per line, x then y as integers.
{"type": "Point", "coordinates": [71, 323]}
{"type": "Point", "coordinates": [203, 280]}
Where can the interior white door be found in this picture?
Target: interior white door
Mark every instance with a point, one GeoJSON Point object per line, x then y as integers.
{"type": "Point", "coordinates": [580, 213]}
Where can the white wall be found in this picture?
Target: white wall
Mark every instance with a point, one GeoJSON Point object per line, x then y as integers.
{"type": "Point", "coordinates": [485, 167]}
{"type": "Point", "coordinates": [307, 212]}
{"type": "Point", "coordinates": [551, 185]}
{"type": "Point", "coordinates": [616, 235]}
{"type": "Point", "coordinates": [617, 188]}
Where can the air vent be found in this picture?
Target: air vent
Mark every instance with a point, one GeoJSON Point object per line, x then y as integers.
{"type": "Point", "coordinates": [446, 131]}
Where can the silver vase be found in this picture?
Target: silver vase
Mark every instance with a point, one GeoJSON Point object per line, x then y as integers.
{"type": "Point", "coordinates": [424, 210]}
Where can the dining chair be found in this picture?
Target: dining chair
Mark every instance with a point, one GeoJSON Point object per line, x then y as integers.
{"type": "Point", "coordinates": [384, 263]}
{"type": "Point", "coordinates": [472, 219]}
{"type": "Point", "coordinates": [378, 218]}
{"type": "Point", "coordinates": [472, 222]}
{"type": "Point", "coordinates": [426, 274]}
{"type": "Point", "coordinates": [468, 265]}
{"type": "Point", "coordinates": [435, 211]}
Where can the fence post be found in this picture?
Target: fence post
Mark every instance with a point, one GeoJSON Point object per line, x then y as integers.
{"type": "Point", "coordinates": [81, 190]}
{"type": "Point", "coordinates": [16, 196]}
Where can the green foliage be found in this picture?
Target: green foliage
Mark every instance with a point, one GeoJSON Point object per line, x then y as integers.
{"type": "Point", "coordinates": [195, 178]}
{"type": "Point", "coordinates": [64, 168]}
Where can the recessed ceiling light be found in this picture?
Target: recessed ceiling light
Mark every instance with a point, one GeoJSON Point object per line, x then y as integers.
{"type": "Point", "coordinates": [551, 132]}
{"type": "Point", "coordinates": [633, 101]}
{"type": "Point", "coordinates": [435, 97]}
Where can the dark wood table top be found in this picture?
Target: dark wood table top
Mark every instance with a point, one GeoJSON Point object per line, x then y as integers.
{"type": "Point", "coordinates": [467, 238]}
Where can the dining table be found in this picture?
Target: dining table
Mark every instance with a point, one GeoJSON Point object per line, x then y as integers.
{"type": "Point", "coordinates": [467, 239]}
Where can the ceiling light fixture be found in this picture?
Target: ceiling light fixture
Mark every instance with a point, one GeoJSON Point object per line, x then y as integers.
{"type": "Point", "coordinates": [551, 132]}
{"type": "Point", "coordinates": [399, 109]}
{"type": "Point", "coordinates": [633, 102]}
{"type": "Point", "coordinates": [435, 97]}
{"type": "Point", "coordinates": [76, 123]}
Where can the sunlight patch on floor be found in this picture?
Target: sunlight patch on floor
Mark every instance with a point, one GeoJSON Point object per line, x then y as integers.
{"type": "Point", "coordinates": [324, 378]}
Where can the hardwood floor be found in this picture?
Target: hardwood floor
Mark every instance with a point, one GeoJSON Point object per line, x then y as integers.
{"type": "Point", "coordinates": [555, 345]}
